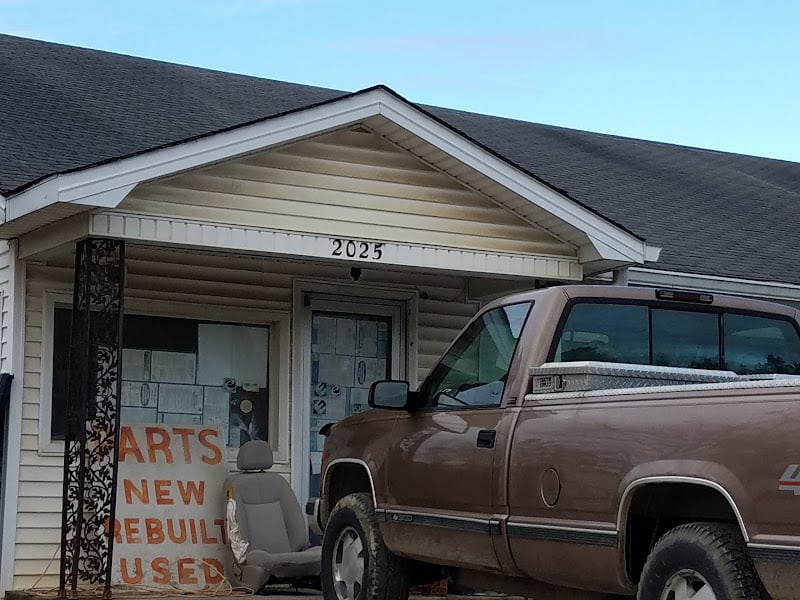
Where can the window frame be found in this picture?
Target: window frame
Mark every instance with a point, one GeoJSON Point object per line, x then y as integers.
{"type": "Point", "coordinates": [720, 311]}
{"type": "Point", "coordinates": [278, 376]}
{"type": "Point", "coordinates": [426, 408]}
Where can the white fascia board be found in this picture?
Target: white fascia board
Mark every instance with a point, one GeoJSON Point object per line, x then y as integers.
{"type": "Point", "coordinates": [175, 231]}
{"type": "Point", "coordinates": [105, 186]}
{"type": "Point", "coordinates": [598, 229]}
{"type": "Point", "coordinates": [772, 290]}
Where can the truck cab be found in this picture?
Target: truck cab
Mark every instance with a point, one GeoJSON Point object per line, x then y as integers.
{"type": "Point", "coordinates": [510, 471]}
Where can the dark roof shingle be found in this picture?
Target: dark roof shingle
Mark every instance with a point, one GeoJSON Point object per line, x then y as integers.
{"type": "Point", "coordinates": [64, 108]}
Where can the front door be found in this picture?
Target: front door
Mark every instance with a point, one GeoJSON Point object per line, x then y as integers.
{"type": "Point", "coordinates": [352, 345]}
{"type": "Point", "coordinates": [442, 483]}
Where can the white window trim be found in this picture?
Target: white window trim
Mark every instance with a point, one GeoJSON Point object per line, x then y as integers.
{"type": "Point", "coordinates": [279, 323]}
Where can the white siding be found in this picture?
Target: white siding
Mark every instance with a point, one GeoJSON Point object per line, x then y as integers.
{"type": "Point", "coordinates": [337, 183]}
{"type": "Point", "coordinates": [198, 279]}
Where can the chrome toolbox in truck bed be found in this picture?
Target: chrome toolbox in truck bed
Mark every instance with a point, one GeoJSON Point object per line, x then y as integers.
{"type": "Point", "coordinates": [589, 375]}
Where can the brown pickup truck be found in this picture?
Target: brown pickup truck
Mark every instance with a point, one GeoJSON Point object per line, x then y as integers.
{"type": "Point", "coordinates": [579, 442]}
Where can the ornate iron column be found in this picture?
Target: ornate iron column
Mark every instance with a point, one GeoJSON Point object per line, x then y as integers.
{"type": "Point", "coordinates": [93, 400]}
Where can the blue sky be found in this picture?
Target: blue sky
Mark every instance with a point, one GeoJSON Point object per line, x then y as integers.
{"type": "Point", "coordinates": [721, 74]}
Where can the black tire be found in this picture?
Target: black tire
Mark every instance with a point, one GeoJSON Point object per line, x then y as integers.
{"type": "Point", "coordinates": [714, 552]}
{"type": "Point", "coordinates": [385, 575]}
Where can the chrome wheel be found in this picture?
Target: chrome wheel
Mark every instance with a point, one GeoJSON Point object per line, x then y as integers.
{"type": "Point", "coordinates": [348, 564]}
{"type": "Point", "coordinates": [686, 585]}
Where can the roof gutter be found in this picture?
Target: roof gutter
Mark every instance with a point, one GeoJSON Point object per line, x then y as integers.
{"type": "Point", "coordinates": [772, 290]}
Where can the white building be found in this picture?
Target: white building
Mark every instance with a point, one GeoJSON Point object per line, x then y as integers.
{"type": "Point", "coordinates": [277, 236]}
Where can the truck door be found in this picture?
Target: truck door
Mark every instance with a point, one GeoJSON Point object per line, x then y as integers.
{"type": "Point", "coordinates": [441, 481]}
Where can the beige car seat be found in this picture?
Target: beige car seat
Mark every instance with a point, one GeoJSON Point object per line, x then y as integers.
{"type": "Point", "coordinates": [269, 519]}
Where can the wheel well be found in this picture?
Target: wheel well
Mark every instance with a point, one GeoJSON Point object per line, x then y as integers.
{"type": "Point", "coordinates": [655, 508]}
{"type": "Point", "coordinates": [343, 479]}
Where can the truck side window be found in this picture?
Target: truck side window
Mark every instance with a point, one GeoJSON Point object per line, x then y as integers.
{"type": "Point", "coordinates": [473, 372]}
{"type": "Point", "coordinates": [756, 344]}
{"type": "Point", "coordinates": [605, 332]}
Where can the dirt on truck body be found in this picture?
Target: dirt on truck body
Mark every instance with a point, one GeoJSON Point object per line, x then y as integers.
{"type": "Point", "coordinates": [580, 441]}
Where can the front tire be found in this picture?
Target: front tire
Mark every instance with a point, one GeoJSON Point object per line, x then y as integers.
{"type": "Point", "coordinates": [705, 561]}
{"type": "Point", "coordinates": [356, 565]}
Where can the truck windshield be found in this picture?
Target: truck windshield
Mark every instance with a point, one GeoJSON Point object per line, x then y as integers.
{"type": "Point", "coordinates": [473, 372]}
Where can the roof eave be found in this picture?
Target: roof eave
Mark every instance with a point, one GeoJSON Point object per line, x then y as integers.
{"type": "Point", "coordinates": [106, 185]}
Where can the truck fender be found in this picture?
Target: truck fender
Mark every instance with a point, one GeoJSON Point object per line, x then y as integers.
{"type": "Point", "coordinates": [722, 493]}
{"type": "Point", "coordinates": [628, 494]}
{"type": "Point", "coordinates": [358, 469]}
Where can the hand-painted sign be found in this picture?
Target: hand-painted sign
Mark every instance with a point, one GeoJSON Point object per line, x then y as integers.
{"type": "Point", "coordinates": [170, 526]}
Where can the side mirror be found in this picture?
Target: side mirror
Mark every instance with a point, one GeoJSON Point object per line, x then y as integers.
{"type": "Point", "coordinates": [389, 394]}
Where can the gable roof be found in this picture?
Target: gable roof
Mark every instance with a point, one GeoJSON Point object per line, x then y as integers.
{"type": "Point", "coordinates": [64, 108]}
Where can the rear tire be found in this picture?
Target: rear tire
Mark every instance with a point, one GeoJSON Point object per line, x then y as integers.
{"type": "Point", "coordinates": [356, 565]}
{"type": "Point", "coordinates": [703, 560]}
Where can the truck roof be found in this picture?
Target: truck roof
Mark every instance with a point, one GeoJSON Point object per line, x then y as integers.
{"type": "Point", "coordinates": [650, 294]}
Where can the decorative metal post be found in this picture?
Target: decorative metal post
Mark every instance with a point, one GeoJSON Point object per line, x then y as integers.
{"type": "Point", "coordinates": [93, 400]}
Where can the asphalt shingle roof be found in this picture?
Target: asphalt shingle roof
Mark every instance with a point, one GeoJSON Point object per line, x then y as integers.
{"type": "Point", "coordinates": [64, 108]}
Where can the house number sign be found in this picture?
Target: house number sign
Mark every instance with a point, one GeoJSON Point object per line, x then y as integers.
{"type": "Point", "coordinates": [356, 249]}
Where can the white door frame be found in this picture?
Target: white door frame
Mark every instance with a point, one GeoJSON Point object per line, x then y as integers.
{"type": "Point", "coordinates": [399, 304]}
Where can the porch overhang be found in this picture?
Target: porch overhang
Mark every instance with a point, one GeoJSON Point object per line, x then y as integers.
{"type": "Point", "coordinates": [599, 244]}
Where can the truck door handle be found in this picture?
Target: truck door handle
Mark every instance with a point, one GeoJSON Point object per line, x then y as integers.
{"type": "Point", "coordinates": [486, 438]}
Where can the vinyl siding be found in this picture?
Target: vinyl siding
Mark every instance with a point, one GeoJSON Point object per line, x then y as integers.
{"type": "Point", "coordinates": [337, 183]}
{"type": "Point", "coordinates": [213, 281]}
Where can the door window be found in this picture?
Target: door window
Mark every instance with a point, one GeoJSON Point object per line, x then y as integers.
{"type": "Point", "coordinates": [474, 371]}
{"type": "Point", "coordinates": [349, 352]}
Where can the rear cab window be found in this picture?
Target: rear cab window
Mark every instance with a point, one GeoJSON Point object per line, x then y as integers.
{"type": "Point", "coordinates": [641, 333]}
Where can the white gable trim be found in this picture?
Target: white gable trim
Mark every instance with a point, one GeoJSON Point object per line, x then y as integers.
{"type": "Point", "coordinates": [107, 185]}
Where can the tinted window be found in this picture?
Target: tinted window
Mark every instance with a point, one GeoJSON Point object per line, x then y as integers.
{"type": "Point", "coordinates": [474, 370]}
{"type": "Point", "coordinates": [761, 345]}
{"type": "Point", "coordinates": [683, 338]}
{"type": "Point", "coordinates": [605, 332]}
{"type": "Point", "coordinates": [641, 334]}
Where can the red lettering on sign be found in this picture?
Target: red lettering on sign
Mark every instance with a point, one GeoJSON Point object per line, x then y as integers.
{"type": "Point", "coordinates": [132, 531]}
{"type": "Point", "coordinates": [212, 570]}
{"type": "Point", "coordinates": [161, 568]}
{"type": "Point", "coordinates": [134, 579]}
{"type": "Point", "coordinates": [117, 532]}
{"type": "Point", "coordinates": [184, 433]}
{"type": "Point", "coordinates": [193, 530]}
{"type": "Point", "coordinates": [128, 445]}
{"type": "Point", "coordinates": [186, 571]}
{"type": "Point", "coordinates": [160, 445]}
{"type": "Point", "coordinates": [216, 456]}
{"type": "Point", "coordinates": [174, 538]}
{"type": "Point", "coordinates": [191, 488]}
{"type": "Point", "coordinates": [161, 488]}
{"type": "Point", "coordinates": [131, 490]}
{"type": "Point", "coordinates": [155, 531]}
{"type": "Point", "coordinates": [221, 524]}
